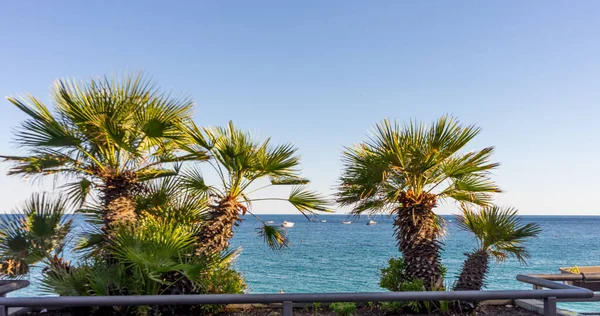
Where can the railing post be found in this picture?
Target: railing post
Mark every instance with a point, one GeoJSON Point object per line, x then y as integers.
{"type": "Point", "coordinates": [3, 310]}
{"type": "Point", "coordinates": [288, 308]}
{"type": "Point", "coordinates": [550, 306]}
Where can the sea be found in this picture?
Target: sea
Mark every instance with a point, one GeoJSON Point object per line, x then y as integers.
{"type": "Point", "coordinates": [334, 257]}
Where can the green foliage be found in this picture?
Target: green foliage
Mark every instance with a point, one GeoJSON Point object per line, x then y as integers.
{"type": "Point", "coordinates": [241, 161]}
{"type": "Point", "coordinates": [393, 279]}
{"type": "Point", "coordinates": [152, 256]}
{"type": "Point", "coordinates": [98, 128]}
{"type": "Point", "coordinates": [392, 276]}
{"type": "Point", "coordinates": [417, 158]}
{"type": "Point", "coordinates": [317, 307]}
{"type": "Point", "coordinates": [392, 307]}
{"type": "Point", "coordinates": [343, 308]}
{"type": "Point", "coordinates": [498, 231]}
{"type": "Point", "coordinates": [34, 233]}
{"type": "Point", "coordinates": [413, 286]}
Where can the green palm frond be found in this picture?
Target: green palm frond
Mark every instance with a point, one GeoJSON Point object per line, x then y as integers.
{"type": "Point", "coordinates": [192, 182]}
{"type": "Point", "coordinates": [499, 231]}
{"type": "Point", "coordinates": [240, 161]}
{"type": "Point", "coordinates": [148, 174]}
{"type": "Point", "coordinates": [307, 201]}
{"type": "Point", "coordinates": [101, 128]}
{"type": "Point", "coordinates": [32, 233]}
{"type": "Point", "coordinates": [274, 237]}
{"type": "Point", "coordinates": [415, 158]}
{"type": "Point", "coordinates": [78, 192]}
{"type": "Point", "coordinates": [169, 199]}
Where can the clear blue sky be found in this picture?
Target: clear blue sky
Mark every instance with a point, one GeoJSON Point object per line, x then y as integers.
{"type": "Point", "coordinates": [319, 74]}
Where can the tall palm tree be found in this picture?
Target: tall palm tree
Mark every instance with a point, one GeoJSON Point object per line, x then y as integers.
{"type": "Point", "coordinates": [33, 233]}
{"type": "Point", "coordinates": [405, 171]}
{"type": "Point", "coordinates": [107, 136]}
{"type": "Point", "coordinates": [500, 233]}
{"type": "Point", "coordinates": [240, 161]}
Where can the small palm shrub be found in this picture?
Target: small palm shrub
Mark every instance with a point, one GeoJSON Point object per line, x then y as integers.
{"type": "Point", "coordinates": [151, 257]}
{"type": "Point", "coordinates": [343, 308]}
{"type": "Point", "coordinates": [36, 232]}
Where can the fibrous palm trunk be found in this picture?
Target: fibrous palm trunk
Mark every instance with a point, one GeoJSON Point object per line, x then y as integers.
{"type": "Point", "coordinates": [119, 199]}
{"type": "Point", "coordinates": [218, 229]}
{"type": "Point", "coordinates": [417, 232]}
{"type": "Point", "coordinates": [474, 270]}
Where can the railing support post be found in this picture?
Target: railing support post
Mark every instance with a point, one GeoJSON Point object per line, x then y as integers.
{"type": "Point", "coordinates": [550, 306]}
{"type": "Point", "coordinates": [288, 308]}
{"type": "Point", "coordinates": [3, 310]}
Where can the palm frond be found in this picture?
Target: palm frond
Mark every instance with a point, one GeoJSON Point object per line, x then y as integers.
{"type": "Point", "coordinates": [499, 231]}
{"type": "Point", "coordinates": [99, 128]}
{"type": "Point", "coordinates": [77, 192]}
{"type": "Point", "coordinates": [274, 237]}
{"type": "Point", "coordinates": [415, 158]}
{"type": "Point", "coordinates": [31, 234]}
{"type": "Point", "coordinates": [308, 202]}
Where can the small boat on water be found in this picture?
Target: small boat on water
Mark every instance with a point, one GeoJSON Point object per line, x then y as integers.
{"type": "Point", "coordinates": [323, 221]}
{"type": "Point", "coordinates": [372, 222]}
{"type": "Point", "coordinates": [270, 222]}
{"type": "Point", "coordinates": [287, 224]}
{"type": "Point", "coordinates": [346, 222]}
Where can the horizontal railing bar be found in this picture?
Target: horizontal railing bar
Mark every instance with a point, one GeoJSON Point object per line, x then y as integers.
{"type": "Point", "coordinates": [595, 298]}
{"type": "Point", "coordinates": [12, 285]}
{"type": "Point", "coordinates": [546, 283]}
{"type": "Point", "coordinates": [297, 298]}
{"type": "Point", "coordinates": [568, 277]}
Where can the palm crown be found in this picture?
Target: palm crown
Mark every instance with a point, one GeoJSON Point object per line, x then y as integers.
{"type": "Point", "coordinates": [499, 231]}
{"type": "Point", "coordinates": [105, 134]}
{"type": "Point", "coordinates": [416, 160]}
{"type": "Point", "coordinates": [240, 161]}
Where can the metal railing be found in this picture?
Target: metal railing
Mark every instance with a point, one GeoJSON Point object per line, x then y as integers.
{"type": "Point", "coordinates": [582, 277]}
{"type": "Point", "coordinates": [7, 286]}
{"type": "Point", "coordinates": [557, 290]}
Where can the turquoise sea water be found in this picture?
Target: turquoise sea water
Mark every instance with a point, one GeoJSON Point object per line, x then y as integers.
{"type": "Point", "coordinates": [331, 257]}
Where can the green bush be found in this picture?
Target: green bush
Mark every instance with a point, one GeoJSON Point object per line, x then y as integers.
{"type": "Point", "coordinates": [343, 308]}
{"type": "Point", "coordinates": [317, 307]}
{"type": "Point", "coordinates": [151, 257]}
{"type": "Point", "coordinates": [393, 279]}
{"type": "Point", "coordinates": [393, 275]}
{"type": "Point", "coordinates": [392, 307]}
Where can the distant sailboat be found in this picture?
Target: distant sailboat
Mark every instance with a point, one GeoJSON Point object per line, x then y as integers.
{"type": "Point", "coordinates": [270, 222]}
{"type": "Point", "coordinates": [346, 222]}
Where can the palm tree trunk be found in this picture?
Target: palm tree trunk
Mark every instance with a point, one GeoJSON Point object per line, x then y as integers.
{"type": "Point", "coordinates": [473, 273]}
{"type": "Point", "coordinates": [119, 199]}
{"type": "Point", "coordinates": [417, 231]}
{"type": "Point", "coordinates": [218, 230]}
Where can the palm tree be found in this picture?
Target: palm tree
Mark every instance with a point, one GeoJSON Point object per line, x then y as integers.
{"type": "Point", "coordinates": [107, 136]}
{"type": "Point", "coordinates": [499, 233]}
{"type": "Point", "coordinates": [240, 161]}
{"type": "Point", "coordinates": [405, 172]}
{"type": "Point", "coordinates": [33, 233]}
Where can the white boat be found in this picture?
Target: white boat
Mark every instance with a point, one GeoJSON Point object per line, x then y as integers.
{"type": "Point", "coordinates": [270, 222]}
{"type": "Point", "coordinates": [346, 222]}
{"type": "Point", "coordinates": [287, 224]}
{"type": "Point", "coordinates": [323, 221]}
{"type": "Point", "coordinates": [372, 222]}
